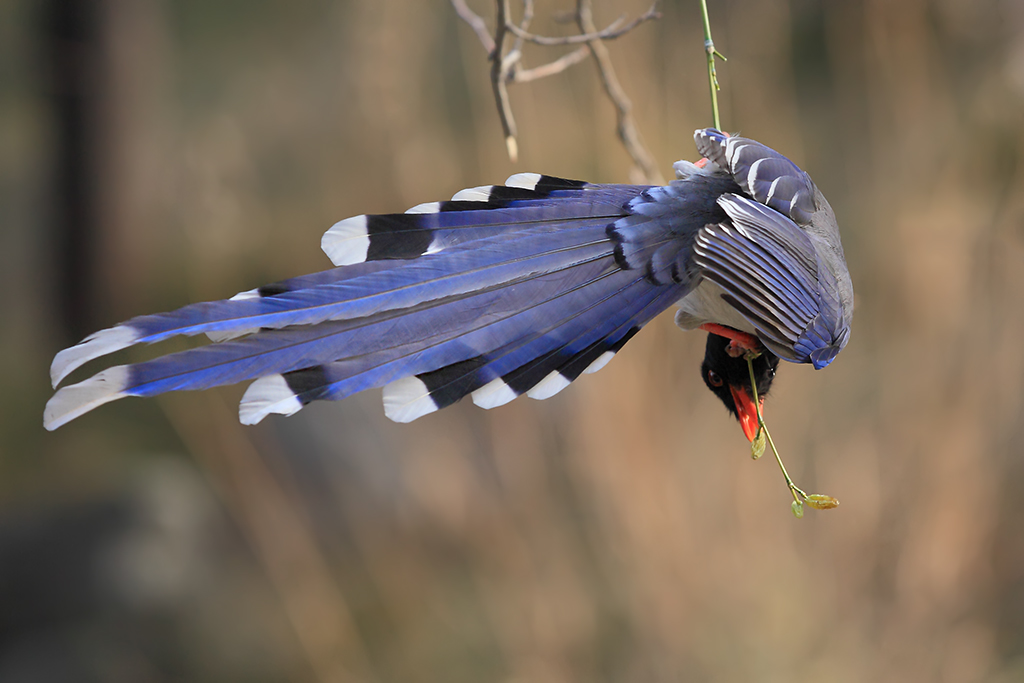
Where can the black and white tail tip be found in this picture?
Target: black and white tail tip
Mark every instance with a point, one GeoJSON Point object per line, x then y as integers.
{"type": "Point", "coordinates": [419, 231]}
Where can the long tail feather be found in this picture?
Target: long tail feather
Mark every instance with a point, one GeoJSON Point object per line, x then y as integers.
{"type": "Point", "coordinates": [484, 318]}
{"type": "Point", "coordinates": [493, 376]}
{"type": "Point", "coordinates": [497, 261]}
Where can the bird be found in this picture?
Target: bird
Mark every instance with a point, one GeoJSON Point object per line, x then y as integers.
{"type": "Point", "coordinates": [515, 289]}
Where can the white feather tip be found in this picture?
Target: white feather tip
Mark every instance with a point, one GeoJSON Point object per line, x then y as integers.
{"type": "Point", "coordinates": [270, 394]}
{"type": "Point", "coordinates": [77, 399]}
{"type": "Point", "coordinates": [95, 345]}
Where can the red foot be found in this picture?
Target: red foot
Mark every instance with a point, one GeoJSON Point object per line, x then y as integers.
{"type": "Point", "coordinates": [740, 343]}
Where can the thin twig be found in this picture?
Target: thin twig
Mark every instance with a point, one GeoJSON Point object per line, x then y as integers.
{"type": "Point", "coordinates": [709, 48]}
{"type": "Point", "coordinates": [612, 31]}
{"type": "Point", "coordinates": [523, 25]}
{"type": "Point", "coordinates": [499, 82]}
{"type": "Point", "coordinates": [506, 68]}
{"type": "Point", "coordinates": [818, 501]}
{"type": "Point", "coordinates": [626, 127]}
{"type": "Point", "coordinates": [551, 68]}
{"type": "Point", "coordinates": [476, 23]}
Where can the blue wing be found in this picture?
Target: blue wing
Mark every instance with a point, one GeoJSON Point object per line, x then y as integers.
{"type": "Point", "coordinates": [762, 173]}
{"type": "Point", "coordinates": [769, 270]}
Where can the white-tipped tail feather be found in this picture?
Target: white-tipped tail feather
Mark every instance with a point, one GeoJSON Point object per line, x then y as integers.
{"type": "Point", "coordinates": [526, 181]}
{"type": "Point", "coordinates": [247, 295]}
{"type": "Point", "coordinates": [473, 194]}
{"type": "Point", "coordinates": [426, 207]}
{"type": "Point", "coordinates": [599, 362]}
{"type": "Point", "coordinates": [549, 386]}
{"type": "Point", "coordinates": [78, 399]}
{"type": "Point", "coordinates": [95, 345]}
{"type": "Point", "coordinates": [270, 394]}
{"type": "Point", "coordinates": [347, 241]}
{"type": "Point", "coordinates": [493, 394]}
{"type": "Point", "coordinates": [407, 399]}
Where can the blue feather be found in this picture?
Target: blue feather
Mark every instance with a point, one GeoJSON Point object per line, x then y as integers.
{"type": "Point", "coordinates": [502, 290]}
{"type": "Point", "coordinates": [540, 339]}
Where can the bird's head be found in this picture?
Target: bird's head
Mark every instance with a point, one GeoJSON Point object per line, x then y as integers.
{"type": "Point", "coordinates": [726, 373]}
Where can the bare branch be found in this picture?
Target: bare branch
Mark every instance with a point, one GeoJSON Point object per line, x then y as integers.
{"type": "Point", "coordinates": [626, 124]}
{"type": "Point", "coordinates": [506, 67]}
{"type": "Point", "coordinates": [552, 68]}
{"type": "Point", "coordinates": [476, 23]}
{"type": "Point", "coordinates": [613, 30]}
{"type": "Point", "coordinates": [499, 82]}
{"type": "Point", "coordinates": [524, 24]}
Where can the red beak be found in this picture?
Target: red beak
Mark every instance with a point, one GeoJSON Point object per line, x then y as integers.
{"type": "Point", "coordinates": [746, 411]}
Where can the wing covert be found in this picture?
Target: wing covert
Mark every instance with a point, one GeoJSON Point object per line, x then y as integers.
{"type": "Point", "coordinates": [768, 270]}
{"type": "Point", "coordinates": [763, 173]}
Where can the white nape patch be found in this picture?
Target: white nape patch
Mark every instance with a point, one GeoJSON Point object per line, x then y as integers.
{"type": "Point", "coordinates": [473, 194]}
{"type": "Point", "coordinates": [78, 399]}
{"type": "Point", "coordinates": [525, 181]}
{"type": "Point", "coordinates": [426, 207]}
{"type": "Point", "coordinates": [406, 399]}
{"type": "Point", "coordinates": [493, 394]}
{"type": "Point", "coordinates": [599, 362]}
{"type": "Point", "coordinates": [270, 394]}
{"type": "Point", "coordinates": [247, 295]}
{"type": "Point", "coordinates": [95, 345]}
{"type": "Point", "coordinates": [752, 174]}
{"type": "Point", "coordinates": [347, 241]}
{"type": "Point", "coordinates": [226, 335]}
{"type": "Point", "coordinates": [549, 386]}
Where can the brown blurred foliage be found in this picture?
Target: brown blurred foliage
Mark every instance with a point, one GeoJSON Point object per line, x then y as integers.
{"type": "Point", "coordinates": [618, 532]}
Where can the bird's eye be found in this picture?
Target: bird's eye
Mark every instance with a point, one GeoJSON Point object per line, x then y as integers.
{"type": "Point", "coordinates": [714, 379]}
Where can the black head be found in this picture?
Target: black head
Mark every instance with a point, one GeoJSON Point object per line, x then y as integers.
{"type": "Point", "coordinates": [726, 373]}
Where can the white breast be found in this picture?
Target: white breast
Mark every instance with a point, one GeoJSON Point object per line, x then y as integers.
{"type": "Point", "coordinates": [706, 305]}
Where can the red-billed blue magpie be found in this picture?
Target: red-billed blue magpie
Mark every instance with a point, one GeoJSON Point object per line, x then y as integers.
{"type": "Point", "coordinates": [516, 288]}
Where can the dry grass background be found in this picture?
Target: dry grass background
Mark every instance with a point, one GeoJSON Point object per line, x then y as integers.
{"type": "Point", "coordinates": [618, 532]}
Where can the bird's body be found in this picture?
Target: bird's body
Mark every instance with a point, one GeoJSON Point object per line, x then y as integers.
{"type": "Point", "coordinates": [506, 290]}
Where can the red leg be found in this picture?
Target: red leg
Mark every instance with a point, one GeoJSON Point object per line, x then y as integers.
{"type": "Point", "coordinates": [740, 343]}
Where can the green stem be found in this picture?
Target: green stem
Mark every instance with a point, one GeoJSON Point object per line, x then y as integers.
{"type": "Point", "coordinates": [798, 494]}
{"type": "Point", "coordinates": [709, 48]}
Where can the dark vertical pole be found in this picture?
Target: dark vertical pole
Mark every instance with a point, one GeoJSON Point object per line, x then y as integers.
{"type": "Point", "coordinates": [72, 51]}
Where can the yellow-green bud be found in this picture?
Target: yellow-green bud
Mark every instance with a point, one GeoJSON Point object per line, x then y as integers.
{"type": "Point", "coordinates": [819, 501]}
{"type": "Point", "coordinates": [757, 446]}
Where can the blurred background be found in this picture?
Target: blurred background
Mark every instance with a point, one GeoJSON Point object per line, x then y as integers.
{"type": "Point", "coordinates": [155, 153]}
